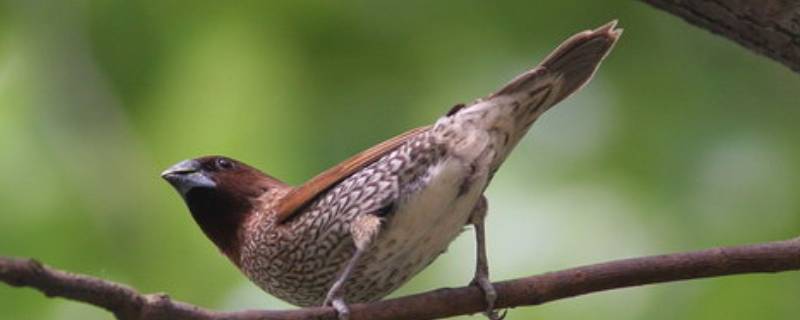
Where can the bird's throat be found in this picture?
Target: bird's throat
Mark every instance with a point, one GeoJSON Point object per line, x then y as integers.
{"type": "Point", "coordinates": [221, 217]}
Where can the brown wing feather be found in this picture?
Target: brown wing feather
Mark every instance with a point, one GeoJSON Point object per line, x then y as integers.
{"type": "Point", "coordinates": [302, 195]}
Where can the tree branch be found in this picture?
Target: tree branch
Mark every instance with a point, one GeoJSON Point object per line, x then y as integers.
{"type": "Point", "coordinates": [768, 27]}
{"type": "Point", "coordinates": [127, 303]}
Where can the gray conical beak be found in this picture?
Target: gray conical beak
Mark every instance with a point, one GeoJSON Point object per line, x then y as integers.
{"type": "Point", "coordinates": [187, 175]}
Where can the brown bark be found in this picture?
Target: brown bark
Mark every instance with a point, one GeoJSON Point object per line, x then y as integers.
{"type": "Point", "coordinates": [768, 27]}
{"type": "Point", "coordinates": [127, 303]}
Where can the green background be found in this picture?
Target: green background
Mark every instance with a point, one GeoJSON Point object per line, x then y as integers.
{"type": "Point", "coordinates": [683, 140]}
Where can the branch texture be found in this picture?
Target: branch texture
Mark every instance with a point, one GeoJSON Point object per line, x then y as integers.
{"type": "Point", "coordinates": [126, 303]}
{"type": "Point", "coordinates": [768, 27]}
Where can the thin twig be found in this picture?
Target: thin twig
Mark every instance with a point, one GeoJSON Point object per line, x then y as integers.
{"type": "Point", "coordinates": [127, 303]}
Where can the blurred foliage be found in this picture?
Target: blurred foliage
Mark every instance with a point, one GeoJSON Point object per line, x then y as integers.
{"type": "Point", "coordinates": [683, 140]}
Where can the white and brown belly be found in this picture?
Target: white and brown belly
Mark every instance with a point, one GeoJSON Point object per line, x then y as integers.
{"type": "Point", "coordinates": [421, 229]}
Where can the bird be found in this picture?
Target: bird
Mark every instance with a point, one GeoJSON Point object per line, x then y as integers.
{"type": "Point", "coordinates": [359, 230]}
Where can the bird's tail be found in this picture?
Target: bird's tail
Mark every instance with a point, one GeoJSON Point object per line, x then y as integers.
{"type": "Point", "coordinates": [507, 114]}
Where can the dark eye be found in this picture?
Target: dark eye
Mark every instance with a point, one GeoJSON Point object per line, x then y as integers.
{"type": "Point", "coordinates": [223, 163]}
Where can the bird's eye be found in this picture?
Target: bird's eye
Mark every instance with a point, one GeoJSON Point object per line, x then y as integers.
{"type": "Point", "coordinates": [223, 163]}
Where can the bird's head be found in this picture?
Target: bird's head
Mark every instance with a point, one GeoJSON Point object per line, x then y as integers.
{"type": "Point", "coordinates": [221, 194]}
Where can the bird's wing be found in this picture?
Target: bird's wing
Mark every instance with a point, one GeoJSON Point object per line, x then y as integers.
{"type": "Point", "coordinates": [304, 194]}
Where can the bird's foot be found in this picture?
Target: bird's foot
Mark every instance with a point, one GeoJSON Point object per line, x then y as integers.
{"type": "Point", "coordinates": [342, 310]}
{"type": "Point", "coordinates": [489, 295]}
{"type": "Point", "coordinates": [334, 299]}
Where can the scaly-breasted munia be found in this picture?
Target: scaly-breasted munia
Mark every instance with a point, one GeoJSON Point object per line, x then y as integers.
{"type": "Point", "coordinates": [359, 230]}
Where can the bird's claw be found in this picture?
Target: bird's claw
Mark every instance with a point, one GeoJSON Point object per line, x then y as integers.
{"type": "Point", "coordinates": [490, 296]}
{"type": "Point", "coordinates": [333, 299]}
{"type": "Point", "coordinates": [342, 310]}
{"type": "Point", "coordinates": [498, 315]}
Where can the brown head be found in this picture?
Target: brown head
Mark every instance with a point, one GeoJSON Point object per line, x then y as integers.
{"type": "Point", "coordinates": [221, 194]}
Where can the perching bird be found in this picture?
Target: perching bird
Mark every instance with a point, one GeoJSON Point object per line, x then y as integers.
{"type": "Point", "coordinates": [361, 229]}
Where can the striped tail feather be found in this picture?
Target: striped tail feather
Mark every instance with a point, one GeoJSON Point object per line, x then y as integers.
{"type": "Point", "coordinates": [575, 61]}
{"type": "Point", "coordinates": [508, 113]}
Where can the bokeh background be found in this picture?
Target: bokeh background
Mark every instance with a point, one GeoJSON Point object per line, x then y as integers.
{"type": "Point", "coordinates": [683, 140]}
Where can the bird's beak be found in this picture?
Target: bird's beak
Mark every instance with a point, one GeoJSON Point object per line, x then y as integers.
{"type": "Point", "coordinates": [187, 175]}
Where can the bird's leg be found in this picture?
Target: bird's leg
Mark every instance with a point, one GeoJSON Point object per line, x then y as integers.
{"type": "Point", "coordinates": [363, 230]}
{"type": "Point", "coordinates": [481, 278]}
{"type": "Point", "coordinates": [335, 297]}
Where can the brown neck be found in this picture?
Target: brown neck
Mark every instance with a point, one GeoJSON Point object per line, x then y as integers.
{"type": "Point", "coordinates": [221, 217]}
